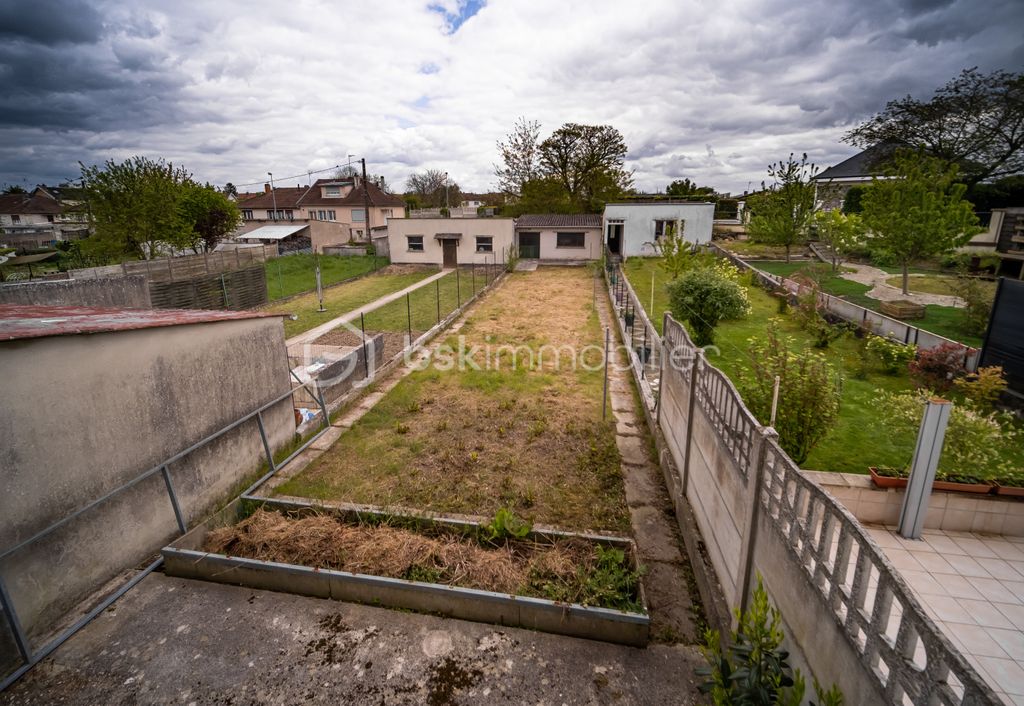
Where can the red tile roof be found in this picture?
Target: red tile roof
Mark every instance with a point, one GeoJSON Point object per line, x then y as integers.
{"type": "Point", "coordinates": [28, 204]}
{"type": "Point", "coordinates": [354, 198]}
{"type": "Point", "coordinates": [18, 321]}
{"type": "Point", "coordinates": [281, 198]}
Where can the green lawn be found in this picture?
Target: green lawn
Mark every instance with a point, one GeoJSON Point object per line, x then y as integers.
{"type": "Point", "coordinates": [428, 304]}
{"type": "Point", "coordinates": [860, 438]}
{"type": "Point", "coordinates": [292, 274]}
{"type": "Point", "coordinates": [944, 320]}
{"type": "Point", "coordinates": [342, 299]}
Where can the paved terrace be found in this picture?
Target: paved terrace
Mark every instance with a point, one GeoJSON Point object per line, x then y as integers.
{"type": "Point", "coordinates": [972, 585]}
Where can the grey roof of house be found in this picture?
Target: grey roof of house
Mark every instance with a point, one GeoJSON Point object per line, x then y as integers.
{"type": "Point", "coordinates": [863, 164]}
{"type": "Point", "coordinates": [559, 220]}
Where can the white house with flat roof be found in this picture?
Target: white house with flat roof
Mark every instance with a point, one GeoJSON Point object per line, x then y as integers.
{"type": "Point", "coordinates": [633, 228]}
{"type": "Point", "coordinates": [449, 242]}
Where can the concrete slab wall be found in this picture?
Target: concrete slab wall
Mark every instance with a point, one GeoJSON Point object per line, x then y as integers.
{"type": "Point", "coordinates": [130, 292]}
{"type": "Point", "coordinates": [84, 414]}
{"type": "Point", "coordinates": [500, 229]}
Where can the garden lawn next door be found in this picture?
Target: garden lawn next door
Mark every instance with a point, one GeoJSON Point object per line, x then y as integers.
{"type": "Point", "coordinates": [529, 246]}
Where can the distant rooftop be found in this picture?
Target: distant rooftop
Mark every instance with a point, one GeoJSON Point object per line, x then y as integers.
{"type": "Point", "coordinates": [864, 164]}
{"type": "Point", "coordinates": [559, 220]}
{"type": "Point", "coordinates": [18, 321]}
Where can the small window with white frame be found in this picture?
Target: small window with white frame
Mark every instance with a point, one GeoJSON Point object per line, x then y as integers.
{"type": "Point", "coordinates": [485, 243]}
{"type": "Point", "coordinates": [332, 191]}
{"type": "Point", "coordinates": [415, 243]}
{"type": "Point", "coordinates": [358, 215]}
{"type": "Point", "coordinates": [246, 214]}
{"type": "Point", "coordinates": [331, 216]}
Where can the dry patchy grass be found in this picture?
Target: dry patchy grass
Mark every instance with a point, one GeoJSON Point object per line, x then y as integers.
{"type": "Point", "coordinates": [473, 441]}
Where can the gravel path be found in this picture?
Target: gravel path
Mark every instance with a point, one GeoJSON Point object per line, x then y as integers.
{"type": "Point", "coordinates": [880, 290]}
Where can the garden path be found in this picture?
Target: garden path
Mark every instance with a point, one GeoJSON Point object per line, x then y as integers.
{"type": "Point", "coordinates": [880, 290]}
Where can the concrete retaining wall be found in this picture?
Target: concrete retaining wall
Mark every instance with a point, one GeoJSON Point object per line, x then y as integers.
{"type": "Point", "coordinates": [130, 292]}
{"type": "Point", "coordinates": [84, 414]}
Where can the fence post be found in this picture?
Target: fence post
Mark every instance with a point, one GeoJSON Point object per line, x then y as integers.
{"type": "Point", "coordinates": [24, 647]}
{"type": "Point", "coordinates": [604, 393]}
{"type": "Point", "coordinates": [665, 353]}
{"type": "Point", "coordinates": [437, 295]}
{"type": "Point", "coordinates": [472, 278]}
{"type": "Point", "coordinates": [266, 443]}
{"type": "Point", "coordinates": [224, 286]}
{"type": "Point", "coordinates": [458, 289]}
{"type": "Point", "coordinates": [755, 479]}
{"type": "Point", "coordinates": [408, 317]}
{"type": "Point", "coordinates": [691, 402]}
{"type": "Point", "coordinates": [366, 358]}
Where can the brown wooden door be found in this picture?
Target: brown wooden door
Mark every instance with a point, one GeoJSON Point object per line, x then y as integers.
{"type": "Point", "coordinates": [450, 249]}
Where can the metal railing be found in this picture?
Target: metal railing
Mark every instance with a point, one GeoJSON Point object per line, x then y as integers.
{"type": "Point", "coordinates": [30, 656]}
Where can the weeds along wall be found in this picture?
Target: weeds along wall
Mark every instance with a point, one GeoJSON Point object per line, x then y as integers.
{"type": "Point", "coordinates": [849, 617]}
{"type": "Point", "coordinates": [116, 404]}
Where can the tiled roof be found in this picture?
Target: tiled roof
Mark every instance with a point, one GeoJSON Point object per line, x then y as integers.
{"type": "Point", "coordinates": [378, 198]}
{"type": "Point", "coordinates": [28, 204]}
{"type": "Point", "coordinates": [559, 220]}
{"type": "Point", "coordinates": [286, 197]}
{"type": "Point", "coordinates": [17, 321]}
{"type": "Point", "coordinates": [863, 164]}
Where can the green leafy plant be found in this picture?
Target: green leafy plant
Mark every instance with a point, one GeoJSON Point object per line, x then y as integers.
{"type": "Point", "coordinates": [809, 391]}
{"type": "Point", "coordinates": [505, 526]}
{"type": "Point", "coordinates": [975, 440]}
{"type": "Point", "coordinates": [978, 303]}
{"type": "Point", "coordinates": [891, 355]}
{"type": "Point", "coordinates": [704, 297]}
{"type": "Point", "coordinates": [754, 670]}
{"type": "Point", "coordinates": [608, 580]}
{"type": "Point", "coordinates": [983, 387]}
{"type": "Point", "coordinates": [842, 233]}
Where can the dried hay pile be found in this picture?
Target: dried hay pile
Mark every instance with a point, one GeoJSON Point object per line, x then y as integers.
{"type": "Point", "coordinates": [326, 542]}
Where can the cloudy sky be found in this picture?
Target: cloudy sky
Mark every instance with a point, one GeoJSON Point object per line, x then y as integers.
{"type": "Point", "coordinates": [713, 91]}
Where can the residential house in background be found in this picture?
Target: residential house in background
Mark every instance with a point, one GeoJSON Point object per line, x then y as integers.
{"type": "Point", "coordinates": [559, 238]}
{"type": "Point", "coordinates": [633, 228]}
{"type": "Point", "coordinates": [832, 184]}
{"type": "Point", "coordinates": [448, 242]}
{"type": "Point", "coordinates": [40, 219]}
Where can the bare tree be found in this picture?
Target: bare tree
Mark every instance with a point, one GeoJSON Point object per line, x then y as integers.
{"type": "Point", "coordinates": [429, 189]}
{"type": "Point", "coordinates": [519, 155]}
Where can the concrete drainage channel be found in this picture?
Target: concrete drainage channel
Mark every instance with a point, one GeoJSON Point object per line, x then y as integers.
{"type": "Point", "coordinates": [185, 558]}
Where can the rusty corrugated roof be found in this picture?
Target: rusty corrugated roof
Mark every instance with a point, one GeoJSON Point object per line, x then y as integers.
{"type": "Point", "coordinates": [20, 321]}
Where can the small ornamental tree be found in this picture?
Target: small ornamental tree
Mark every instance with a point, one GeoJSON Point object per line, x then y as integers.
{"type": "Point", "coordinates": [809, 391]}
{"type": "Point", "coordinates": [780, 213]}
{"type": "Point", "coordinates": [677, 254]}
{"type": "Point", "coordinates": [842, 233]}
{"type": "Point", "coordinates": [705, 296]}
{"type": "Point", "coordinates": [917, 210]}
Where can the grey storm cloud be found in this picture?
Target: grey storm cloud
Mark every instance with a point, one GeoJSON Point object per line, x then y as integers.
{"type": "Point", "coordinates": [233, 90]}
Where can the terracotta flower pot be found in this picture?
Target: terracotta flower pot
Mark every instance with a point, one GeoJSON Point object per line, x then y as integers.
{"type": "Point", "coordinates": [976, 488]}
{"type": "Point", "coordinates": [1010, 490]}
{"type": "Point", "coordinates": [886, 481]}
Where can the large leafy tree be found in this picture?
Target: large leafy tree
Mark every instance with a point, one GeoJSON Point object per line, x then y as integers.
{"type": "Point", "coordinates": [211, 214]}
{"type": "Point", "coordinates": [686, 189]}
{"type": "Point", "coordinates": [588, 161]}
{"type": "Point", "coordinates": [134, 207]}
{"type": "Point", "coordinates": [428, 189]}
{"type": "Point", "coordinates": [577, 169]}
{"type": "Point", "coordinates": [975, 121]}
{"type": "Point", "coordinates": [917, 210]}
{"type": "Point", "coordinates": [781, 211]}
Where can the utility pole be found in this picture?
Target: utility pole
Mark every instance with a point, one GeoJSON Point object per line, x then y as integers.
{"type": "Point", "coordinates": [273, 195]}
{"type": "Point", "coordinates": [366, 201]}
{"type": "Point", "coordinates": [446, 206]}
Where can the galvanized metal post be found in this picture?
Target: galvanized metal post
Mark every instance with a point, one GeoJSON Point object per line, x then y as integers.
{"type": "Point", "coordinates": [366, 357]}
{"type": "Point", "coordinates": [923, 467]}
{"type": "Point", "coordinates": [458, 289]}
{"type": "Point", "coordinates": [604, 393]}
{"type": "Point", "coordinates": [437, 294]}
{"type": "Point", "coordinates": [323, 405]}
{"type": "Point", "coordinates": [174, 500]}
{"type": "Point", "coordinates": [266, 444]}
{"type": "Point", "coordinates": [224, 288]}
{"type": "Point", "coordinates": [472, 277]}
{"type": "Point", "coordinates": [12, 618]}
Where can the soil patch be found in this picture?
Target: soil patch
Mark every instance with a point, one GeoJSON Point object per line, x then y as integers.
{"type": "Point", "coordinates": [570, 570]}
{"type": "Point", "coordinates": [341, 336]}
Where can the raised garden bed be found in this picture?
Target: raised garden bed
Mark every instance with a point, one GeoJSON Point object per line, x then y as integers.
{"type": "Point", "coordinates": [887, 479]}
{"type": "Point", "coordinates": [560, 582]}
{"type": "Point", "coordinates": [902, 310]}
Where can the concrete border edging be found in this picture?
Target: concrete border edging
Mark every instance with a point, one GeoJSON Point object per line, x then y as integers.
{"type": "Point", "coordinates": [184, 559]}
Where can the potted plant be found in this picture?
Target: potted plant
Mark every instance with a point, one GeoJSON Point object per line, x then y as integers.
{"type": "Point", "coordinates": [889, 477]}
{"type": "Point", "coordinates": [1009, 482]}
{"type": "Point", "coordinates": [962, 483]}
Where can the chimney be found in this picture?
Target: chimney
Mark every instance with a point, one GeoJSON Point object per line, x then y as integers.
{"type": "Point", "coordinates": [266, 188]}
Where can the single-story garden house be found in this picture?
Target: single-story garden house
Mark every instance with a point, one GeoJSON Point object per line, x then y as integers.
{"type": "Point", "coordinates": [559, 238]}
{"type": "Point", "coordinates": [448, 242]}
{"type": "Point", "coordinates": [633, 228]}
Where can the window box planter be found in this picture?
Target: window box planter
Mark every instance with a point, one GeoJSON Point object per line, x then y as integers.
{"type": "Point", "coordinates": [187, 558]}
{"type": "Point", "coordinates": [892, 478]}
{"type": "Point", "coordinates": [1012, 491]}
{"type": "Point", "coordinates": [887, 481]}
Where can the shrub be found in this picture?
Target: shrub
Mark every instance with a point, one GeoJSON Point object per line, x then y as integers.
{"type": "Point", "coordinates": [892, 356]}
{"type": "Point", "coordinates": [808, 315]}
{"type": "Point", "coordinates": [975, 439]}
{"type": "Point", "coordinates": [978, 303]}
{"type": "Point", "coordinates": [704, 297]}
{"type": "Point", "coordinates": [983, 387]}
{"type": "Point", "coordinates": [936, 368]}
{"type": "Point", "coordinates": [754, 670]}
{"type": "Point", "coordinates": [809, 391]}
